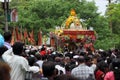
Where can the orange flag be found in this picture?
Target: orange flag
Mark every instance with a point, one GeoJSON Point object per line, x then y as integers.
{"type": "Point", "coordinates": [52, 42]}
{"type": "Point", "coordinates": [13, 37]}
{"type": "Point", "coordinates": [25, 34]}
{"type": "Point", "coordinates": [21, 36]}
{"type": "Point", "coordinates": [32, 41]}
{"type": "Point", "coordinates": [39, 38]}
{"type": "Point", "coordinates": [17, 34]}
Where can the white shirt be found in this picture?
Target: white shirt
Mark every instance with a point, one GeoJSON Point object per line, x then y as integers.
{"type": "Point", "coordinates": [19, 65]}
{"type": "Point", "coordinates": [82, 72]}
{"type": "Point", "coordinates": [40, 62]}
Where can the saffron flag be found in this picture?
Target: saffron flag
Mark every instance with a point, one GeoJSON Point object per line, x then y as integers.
{"type": "Point", "coordinates": [39, 38]}
{"type": "Point", "coordinates": [13, 37]}
{"type": "Point", "coordinates": [31, 34]}
{"type": "Point", "coordinates": [25, 34]}
{"type": "Point", "coordinates": [17, 34]}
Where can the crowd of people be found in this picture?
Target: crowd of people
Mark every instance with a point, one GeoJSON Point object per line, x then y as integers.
{"type": "Point", "coordinates": [23, 62]}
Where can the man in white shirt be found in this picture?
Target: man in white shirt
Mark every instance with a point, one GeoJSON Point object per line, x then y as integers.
{"type": "Point", "coordinates": [82, 71]}
{"type": "Point", "coordinates": [19, 65]}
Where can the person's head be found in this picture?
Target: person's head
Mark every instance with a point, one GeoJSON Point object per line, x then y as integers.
{"type": "Point", "coordinates": [65, 77]}
{"type": "Point", "coordinates": [88, 61]}
{"type": "Point", "coordinates": [18, 48]}
{"type": "Point", "coordinates": [31, 60]}
{"type": "Point", "coordinates": [8, 36]}
{"type": "Point", "coordinates": [102, 66]}
{"type": "Point", "coordinates": [116, 68]}
{"type": "Point", "coordinates": [38, 56]}
{"type": "Point", "coordinates": [48, 68]}
{"type": "Point", "coordinates": [81, 59]}
{"type": "Point", "coordinates": [4, 71]}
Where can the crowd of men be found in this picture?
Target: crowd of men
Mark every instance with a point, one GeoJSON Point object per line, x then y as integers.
{"type": "Point", "coordinates": [21, 62]}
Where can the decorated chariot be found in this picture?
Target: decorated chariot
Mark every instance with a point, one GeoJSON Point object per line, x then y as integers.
{"type": "Point", "coordinates": [72, 34]}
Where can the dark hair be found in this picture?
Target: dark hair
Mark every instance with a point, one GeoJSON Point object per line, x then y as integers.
{"type": "Point", "coordinates": [18, 48]}
{"type": "Point", "coordinates": [101, 66]}
{"type": "Point", "coordinates": [48, 68]}
{"type": "Point", "coordinates": [2, 50]}
{"type": "Point", "coordinates": [38, 56]}
{"type": "Point", "coordinates": [116, 68]}
{"type": "Point", "coordinates": [7, 36]}
{"type": "Point", "coordinates": [81, 59]}
{"type": "Point", "coordinates": [65, 77]}
{"type": "Point", "coordinates": [31, 60]}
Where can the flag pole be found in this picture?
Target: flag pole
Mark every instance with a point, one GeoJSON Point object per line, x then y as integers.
{"type": "Point", "coordinates": [6, 23]}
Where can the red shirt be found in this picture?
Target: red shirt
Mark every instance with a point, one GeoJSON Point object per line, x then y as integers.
{"type": "Point", "coordinates": [43, 52]}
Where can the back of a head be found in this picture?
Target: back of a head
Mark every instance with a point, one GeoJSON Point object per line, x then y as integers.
{"type": "Point", "coordinates": [7, 36]}
{"type": "Point", "coordinates": [65, 77]}
{"type": "Point", "coordinates": [116, 63]}
{"type": "Point", "coordinates": [48, 68]}
{"type": "Point", "coordinates": [102, 65]}
{"type": "Point", "coordinates": [18, 48]}
{"type": "Point", "coordinates": [81, 59]}
{"type": "Point", "coordinates": [38, 56]}
{"type": "Point", "coordinates": [116, 68]}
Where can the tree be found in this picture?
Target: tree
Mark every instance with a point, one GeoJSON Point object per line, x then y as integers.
{"type": "Point", "coordinates": [46, 14]}
{"type": "Point", "coordinates": [113, 15]}
{"type": "Point", "coordinates": [2, 19]}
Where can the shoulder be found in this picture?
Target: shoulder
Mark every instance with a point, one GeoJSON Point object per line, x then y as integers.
{"type": "Point", "coordinates": [109, 75]}
{"type": "Point", "coordinates": [75, 69]}
{"type": "Point", "coordinates": [21, 59]}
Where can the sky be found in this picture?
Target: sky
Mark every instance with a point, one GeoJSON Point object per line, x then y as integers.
{"type": "Point", "coordinates": [101, 4]}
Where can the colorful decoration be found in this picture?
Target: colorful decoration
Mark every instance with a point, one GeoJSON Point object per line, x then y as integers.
{"type": "Point", "coordinates": [73, 22]}
{"type": "Point", "coordinates": [74, 33]}
{"type": "Point", "coordinates": [78, 32]}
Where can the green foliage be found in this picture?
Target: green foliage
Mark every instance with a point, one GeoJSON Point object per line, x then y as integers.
{"type": "Point", "coordinates": [113, 15]}
{"type": "Point", "coordinates": [46, 14]}
{"type": "Point", "coordinates": [2, 19]}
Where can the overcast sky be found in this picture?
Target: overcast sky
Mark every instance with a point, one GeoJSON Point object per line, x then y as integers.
{"type": "Point", "coordinates": [101, 5]}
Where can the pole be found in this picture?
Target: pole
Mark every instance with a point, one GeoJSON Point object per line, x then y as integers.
{"type": "Point", "coordinates": [6, 23]}
{"type": "Point", "coordinates": [110, 22]}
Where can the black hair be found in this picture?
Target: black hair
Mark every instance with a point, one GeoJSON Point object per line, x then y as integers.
{"type": "Point", "coordinates": [101, 66]}
{"type": "Point", "coordinates": [48, 68]}
{"type": "Point", "coordinates": [7, 36]}
{"type": "Point", "coordinates": [18, 48]}
{"type": "Point", "coordinates": [65, 77]}
{"type": "Point", "coordinates": [81, 59]}
{"type": "Point", "coordinates": [2, 50]}
{"type": "Point", "coordinates": [38, 56]}
{"type": "Point", "coordinates": [116, 68]}
{"type": "Point", "coordinates": [31, 60]}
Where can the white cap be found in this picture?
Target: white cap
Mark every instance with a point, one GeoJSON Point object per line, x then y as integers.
{"type": "Point", "coordinates": [76, 56]}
